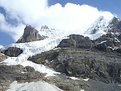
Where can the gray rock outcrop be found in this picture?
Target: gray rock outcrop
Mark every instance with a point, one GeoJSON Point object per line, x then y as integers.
{"type": "Point", "coordinates": [2, 57]}
{"type": "Point", "coordinates": [107, 42]}
{"type": "Point", "coordinates": [12, 51]}
{"type": "Point", "coordinates": [76, 41]}
{"type": "Point", "coordinates": [30, 34]}
{"type": "Point", "coordinates": [100, 66]}
{"type": "Point", "coordinates": [8, 74]}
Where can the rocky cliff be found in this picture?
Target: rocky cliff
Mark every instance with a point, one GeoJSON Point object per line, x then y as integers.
{"type": "Point", "coordinates": [30, 34]}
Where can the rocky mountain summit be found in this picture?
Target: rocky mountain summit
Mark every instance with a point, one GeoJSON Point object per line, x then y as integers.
{"type": "Point", "coordinates": [115, 25]}
{"type": "Point", "coordinates": [30, 34]}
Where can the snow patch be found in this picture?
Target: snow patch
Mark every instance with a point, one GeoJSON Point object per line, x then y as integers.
{"type": "Point", "coordinates": [87, 79]}
{"type": "Point", "coordinates": [33, 86]}
{"type": "Point", "coordinates": [82, 90]}
{"type": "Point", "coordinates": [102, 42]}
{"type": "Point", "coordinates": [38, 67]}
{"type": "Point", "coordinates": [74, 78]}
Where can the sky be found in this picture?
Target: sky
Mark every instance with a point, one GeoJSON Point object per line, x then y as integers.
{"type": "Point", "coordinates": [113, 6]}
{"type": "Point", "coordinates": [60, 14]}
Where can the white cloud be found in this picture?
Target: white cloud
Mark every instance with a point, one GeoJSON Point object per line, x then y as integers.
{"type": "Point", "coordinates": [28, 10]}
{"type": "Point", "coordinates": [14, 31]}
{"type": "Point", "coordinates": [37, 13]}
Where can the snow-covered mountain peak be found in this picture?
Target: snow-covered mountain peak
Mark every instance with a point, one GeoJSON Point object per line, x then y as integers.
{"type": "Point", "coordinates": [99, 27]}
{"type": "Point", "coordinates": [30, 34]}
{"type": "Point", "coordinates": [44, 27]}
{"type": "Point", "coordinates": [50, 32]}
{"type": "Point", "coordinates": [115, 25]}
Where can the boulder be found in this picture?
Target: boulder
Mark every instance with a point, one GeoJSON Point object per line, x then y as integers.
{"type": "Point", "coordinates": [76, 41]}
{"type": "Point", "coordinates": [12, 51]}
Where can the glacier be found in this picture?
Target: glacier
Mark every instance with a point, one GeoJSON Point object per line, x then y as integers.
{"type": "Point", "coordinates": [33, 86]}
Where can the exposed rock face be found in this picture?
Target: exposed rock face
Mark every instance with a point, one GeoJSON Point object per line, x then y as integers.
{"type": "Point", "coordinates": [77, 57]}
{"type": "Point", "coordinates": [115, 25]}
{"type": "Point", "coordinates": [2, 57]}
{"type": "Point", "coordinates": [112, 39]}
{"type": "Point", "coordinates": [107, 42]}
{"type": "Point", "coordinates": [8, 74]}
{"type": "Point", "coordinates": [76, 41]}
{"type": "Point", "coordinates": [68, 84]}
{"type": "Point", "coordinates": [100, 66]}
{"type": "Point", "coordinates": [12, 51]}
{"type": "Point", "coordinates": [118, 50]}
{"type": "Point", "coordinates": [30, 34]}
{"type": "Point", "coordinates": [21, 74]}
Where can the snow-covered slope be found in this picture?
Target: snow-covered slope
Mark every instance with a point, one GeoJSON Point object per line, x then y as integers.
{"type": "Point", "coordinates": [99, 27]}
{"type": "Point", "coordinates": [50, 32]}
{"type": "Point", "coordinates": [30, 49]}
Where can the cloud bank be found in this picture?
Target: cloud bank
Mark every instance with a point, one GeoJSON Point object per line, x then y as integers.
{"type": "Point", "coordinates": [71, 17]}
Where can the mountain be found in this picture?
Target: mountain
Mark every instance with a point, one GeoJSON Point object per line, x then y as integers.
{"type": "Point", "coordinates": [103, 26]}
{"type": "Point", "coordinates": [108, 34]}
{"type": "Point", "coordinates": [63, 60]}
{"type": "Point", "coordinates": [98, 28]}
{"type": "Point", "coordinates": [30, 34]}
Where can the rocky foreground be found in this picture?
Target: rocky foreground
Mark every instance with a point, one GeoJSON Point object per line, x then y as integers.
{"type": "Point", "coordinates": [80, 57]}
